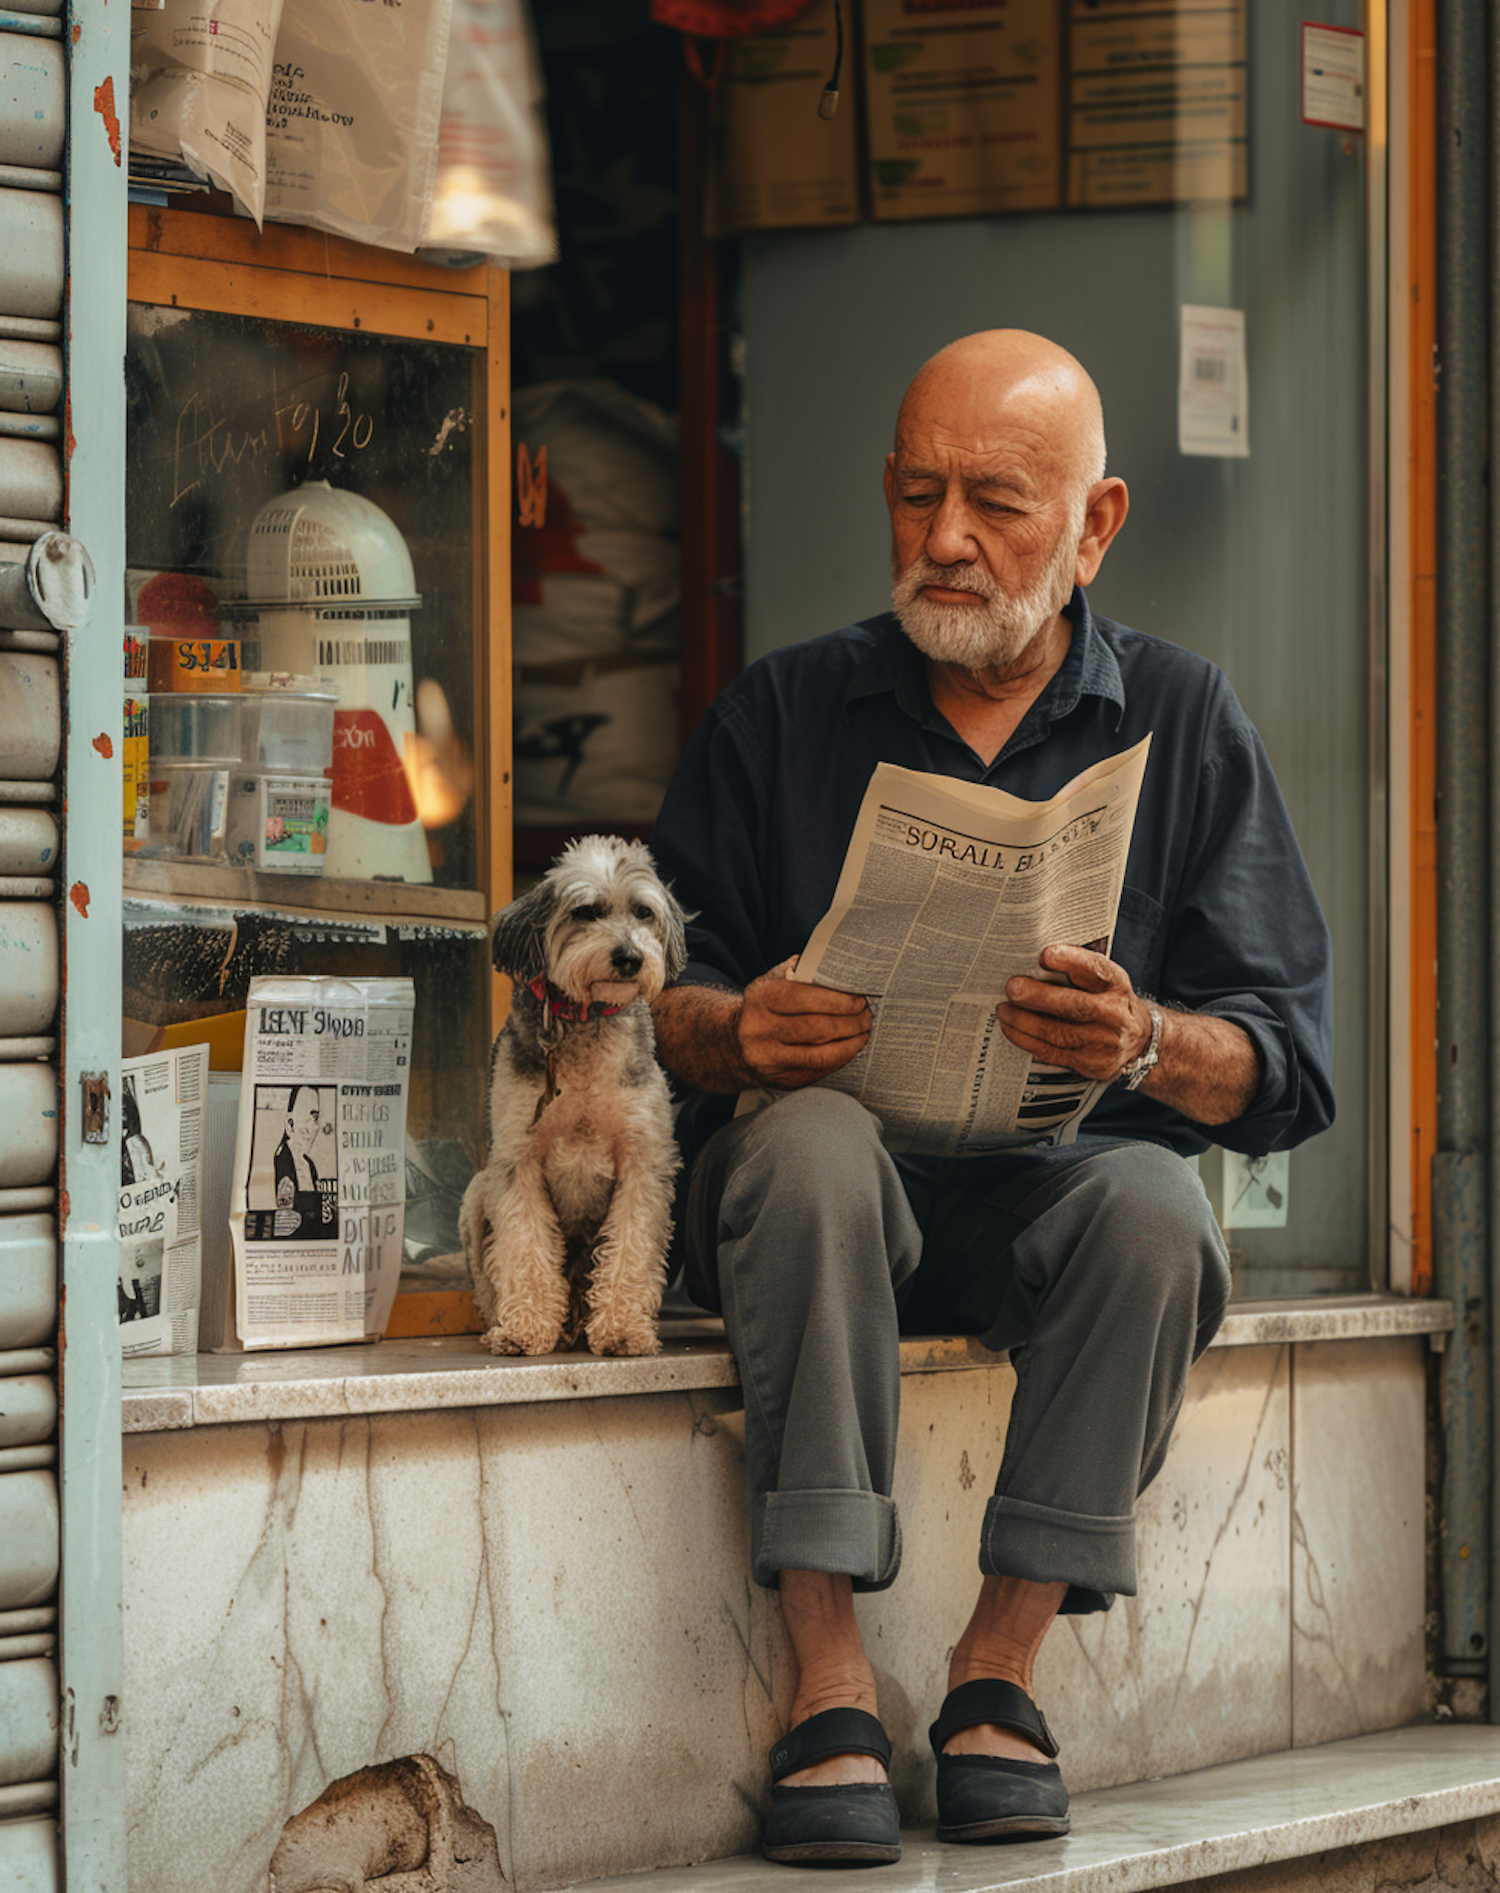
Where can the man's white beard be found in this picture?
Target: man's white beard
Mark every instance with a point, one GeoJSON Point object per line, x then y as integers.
{"type": "Point", "coordinates": [992, 635]}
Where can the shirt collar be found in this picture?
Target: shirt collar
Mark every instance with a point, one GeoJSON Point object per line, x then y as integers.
{"type": "Point", "coordinates": [1090, 669]}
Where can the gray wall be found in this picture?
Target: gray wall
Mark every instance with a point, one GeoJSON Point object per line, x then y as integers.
{"type": "Point", "coordinates": [1261, 564]}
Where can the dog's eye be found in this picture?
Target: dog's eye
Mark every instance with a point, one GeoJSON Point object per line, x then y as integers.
{"type": "Point", "coordinates": [642, 911]}
{"type": "Point", "coordinates": [585, 913]}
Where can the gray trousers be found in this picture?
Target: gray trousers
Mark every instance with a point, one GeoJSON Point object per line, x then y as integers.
{"type": "Point", "coordinates": [1098, 1265]}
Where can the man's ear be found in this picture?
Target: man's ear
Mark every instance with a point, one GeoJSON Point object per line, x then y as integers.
{"type": "Point", "coordinates": [888, 480]}
{"type": "Point", "coordinates": [1108, 503]}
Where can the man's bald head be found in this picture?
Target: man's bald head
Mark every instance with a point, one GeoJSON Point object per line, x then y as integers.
{"type": "Point", "coordinates": [1001, 381]}
{"type": "Point", "coordinates": [998, 500]}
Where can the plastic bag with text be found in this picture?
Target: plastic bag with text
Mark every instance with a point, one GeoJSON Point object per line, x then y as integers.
{"type": "Point", "coordinates": [352, 127]}
{"type": "Point", "coordinates": [200, 80]}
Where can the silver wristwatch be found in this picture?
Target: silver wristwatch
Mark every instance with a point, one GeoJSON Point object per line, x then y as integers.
{"type": "Point", "coordinates": [1140, 1069]}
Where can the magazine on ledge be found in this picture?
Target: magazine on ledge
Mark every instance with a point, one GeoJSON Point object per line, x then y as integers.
{"type": "Point", "coordinates": [318, 1206]}
{"type": "Point", "coordinates": [947, 891]}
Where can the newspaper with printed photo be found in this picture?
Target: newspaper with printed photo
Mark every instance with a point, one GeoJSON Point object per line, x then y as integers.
{"type": "Point", "coordinates": [161, 1250]}
{"type": "Point", "coordinates": [317, 1209]}
{"type": "Point", "coordinates": [947, 891]}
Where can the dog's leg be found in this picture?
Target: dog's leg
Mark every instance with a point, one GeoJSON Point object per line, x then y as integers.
{"type": "Point", "coordinates": [474, 1233]}
{"type": "Point", "coordinates": [630, 1253]}
{"type": "Point", "coordinates": [522, 1259]}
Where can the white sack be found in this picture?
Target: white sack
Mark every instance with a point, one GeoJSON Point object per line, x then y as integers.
{"type": "Point", "coordinates": [604, 574]}
{"type": "Point", "coordinates": [603, 748]}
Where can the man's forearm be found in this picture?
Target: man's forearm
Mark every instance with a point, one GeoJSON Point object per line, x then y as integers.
{"type": "Point", "coordinates": [697, 1037]}
{"type": "Point", "coordinates": [1207, 1068]}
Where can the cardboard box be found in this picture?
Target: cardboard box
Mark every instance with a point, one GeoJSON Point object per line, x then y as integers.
{"type": "Point", "coordinates": [963, 106]}
{"type": "Point", "coordinates": [774, 164]}
{"type": "Point", "coordinates": [222, 1032]}
{"type": "Point", "coordinates": [1156, 105]}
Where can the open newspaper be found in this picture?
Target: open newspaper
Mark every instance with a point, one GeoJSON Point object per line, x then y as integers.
{"type": "Point", "coordinates": [160, 1227]}
{"type": "Point", "coordinates": [318, 1200]}
{"type": "Point", "coordinates": [947, 891]}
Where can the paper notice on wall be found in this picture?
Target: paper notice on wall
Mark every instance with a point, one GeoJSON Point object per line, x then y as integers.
{"type": "Point", "coordinates": [1333, 77]}
{"type": "Point", "coordinates": [161, 1136]}
{"type": "Point", "coordinates": [1213, 398]}
{"type": "Point", "coordinates": [317, 1210]}
{"type": "Point", "coordinates": [962, 106]}
{"type": "Point", "coordinates": [352, 128]}
{"type": "Point", "coordinates": [200, 79]}
{"type": "Point", "coordinates": [1255, 1190]}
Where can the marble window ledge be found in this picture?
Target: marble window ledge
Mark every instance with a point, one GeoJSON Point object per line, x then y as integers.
{"type": "Point", "coordinates": [1187, 1829]}
{"type": "Point", "coordinates": [164, 1395]}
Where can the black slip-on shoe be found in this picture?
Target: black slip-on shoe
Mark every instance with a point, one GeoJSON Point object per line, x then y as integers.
{"type": "Point", "coordinates": [855, 1823]}
{"type": "Point", "coordinates": [990, 1797]}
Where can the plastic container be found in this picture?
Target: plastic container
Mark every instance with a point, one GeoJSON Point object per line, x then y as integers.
{"type": "Point", "coordinates": [189, 802]}
{"type": "Point", "coordinates": [193, 728]}
{"type": "Point", "coordinates": [278, 821]}
{"type": "Point", "coordinates": [287, 724]}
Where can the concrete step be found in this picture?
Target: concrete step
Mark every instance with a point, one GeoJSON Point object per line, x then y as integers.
{"type": "Point", "coordinates": [1415, 1807]}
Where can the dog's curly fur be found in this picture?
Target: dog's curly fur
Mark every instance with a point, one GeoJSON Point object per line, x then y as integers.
{"type": "Point", "coordinates": [566, 1228]}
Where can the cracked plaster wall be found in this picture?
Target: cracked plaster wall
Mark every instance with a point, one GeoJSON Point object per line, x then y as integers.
{"type": "Point", "coordinates": [551, 1601]}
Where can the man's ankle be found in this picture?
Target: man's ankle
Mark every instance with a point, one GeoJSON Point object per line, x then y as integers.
{"type": "Point", "coordinates": [833, 1687]}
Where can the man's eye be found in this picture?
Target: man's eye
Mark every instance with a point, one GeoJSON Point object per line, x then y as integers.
{"type": "Point", "coordinates": [918, 499]}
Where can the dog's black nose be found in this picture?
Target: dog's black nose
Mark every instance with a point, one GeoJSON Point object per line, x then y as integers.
{"type": "Point", "coordinates": [626, 961]}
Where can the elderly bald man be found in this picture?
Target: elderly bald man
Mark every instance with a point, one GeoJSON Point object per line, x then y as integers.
{"type": "Point", "coordinates": [1097, 1264]}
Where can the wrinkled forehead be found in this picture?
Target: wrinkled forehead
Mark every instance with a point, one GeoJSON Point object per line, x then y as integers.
{"type": "Point", "coordinates": [1031, 429]}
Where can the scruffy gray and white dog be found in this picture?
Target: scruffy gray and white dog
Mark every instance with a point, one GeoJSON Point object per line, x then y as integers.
{"type": "Point", "coordinates": [566, 1228]}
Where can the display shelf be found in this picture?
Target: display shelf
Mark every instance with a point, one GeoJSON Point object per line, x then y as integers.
{"type": "Point", "coordinates": [202, 231]}
{"type": "Point", "coordinates": [302, 894]}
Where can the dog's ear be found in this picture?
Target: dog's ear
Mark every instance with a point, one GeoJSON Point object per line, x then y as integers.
{"type": "Point", "coordinates": [518, 935]}
{"type": "Point", "coordinates": [674, 936]}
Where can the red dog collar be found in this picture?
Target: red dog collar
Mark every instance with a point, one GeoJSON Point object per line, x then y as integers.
{"type": "Point", "coordinates": [558, 1005]}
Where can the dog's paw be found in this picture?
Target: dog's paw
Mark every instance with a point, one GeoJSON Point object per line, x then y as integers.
{"type": "Point", "coordinates": [500, 1341]}
{"type": "Point", "coordinates": [627, 1337]}
{"type": "Point", "coordinates": [525, 1332]}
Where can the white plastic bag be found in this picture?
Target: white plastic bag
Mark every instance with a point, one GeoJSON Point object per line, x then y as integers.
{"type": "Point", "coordinates": [200, 78]}
{"type": "Point", "coordinates": [493, 193]}
{"type": "Point", "coordinates": [352, 127]}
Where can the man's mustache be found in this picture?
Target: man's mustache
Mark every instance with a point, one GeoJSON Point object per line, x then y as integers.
{"type": "Point", "coordinates": [953, 578]}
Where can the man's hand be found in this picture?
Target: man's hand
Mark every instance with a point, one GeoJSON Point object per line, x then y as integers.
{"type": "Point", "coordinates": [1207, 1068]}
{"type": "Point", "coordinates": [1094, 1026]}
{"type": "Point", "coordinates": [777, 1032]}
{"type": "Point", "coordinates": [792, 1034]}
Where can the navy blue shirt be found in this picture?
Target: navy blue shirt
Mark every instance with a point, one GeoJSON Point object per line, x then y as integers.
{"type": "Point", "coordinates": [1218, 912]}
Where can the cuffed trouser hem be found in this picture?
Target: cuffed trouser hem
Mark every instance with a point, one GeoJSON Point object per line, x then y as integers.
{"type": "Point", "coordinates": [1034, 1541]}
{"type": "Point", "coordinates": [856, 1534]}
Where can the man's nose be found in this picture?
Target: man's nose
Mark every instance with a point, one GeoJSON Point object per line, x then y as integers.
{"type": "Point", "coordinates": [626, 961]}
{"type": "Point", "coordinates": [950, 540]}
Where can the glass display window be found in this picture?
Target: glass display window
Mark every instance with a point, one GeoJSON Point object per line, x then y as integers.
{"type": "Point", "coordinates": [316, 622]}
